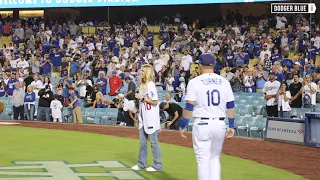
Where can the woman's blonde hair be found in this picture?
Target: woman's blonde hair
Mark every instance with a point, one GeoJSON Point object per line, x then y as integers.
{"type": "Point", "coordinates": [99, 96]}
{"type": "Point", "coordinates": [29, 86]}
{"type": "Point", "coordinates": [149, 72]}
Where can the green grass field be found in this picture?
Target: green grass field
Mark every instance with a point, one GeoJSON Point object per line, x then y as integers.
{"type": "Point", "coordinates": [29, 144]}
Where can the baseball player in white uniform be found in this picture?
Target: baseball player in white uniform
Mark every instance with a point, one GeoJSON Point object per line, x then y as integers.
{"type": "Point", "coordinates": [210, 100]}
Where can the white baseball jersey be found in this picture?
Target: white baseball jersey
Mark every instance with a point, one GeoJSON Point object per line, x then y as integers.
{"type": "Point", "coordinates": [271, 88]}
{"type": "Point", "coordinates": [211, 93]}
{"type": "Point", "coordinates": [149, 117]}
{"type": "Point", "coordinates": [56, 107]}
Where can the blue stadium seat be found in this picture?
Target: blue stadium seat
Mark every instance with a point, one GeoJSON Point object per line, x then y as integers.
{"type": "Point", "coordinates": [259, 128]}
{"type": "Point", "coordinates": [303, 111]}
{"type": "Point", "coordinates": [243, 110]}
{"type": "Point", "coordinates": [295, 113]}
{"type": "Point", "coordinates": [240, 102]}
{"type": "Point", "coordinates": [89, 115]}
{"type": "Point", "coordinates": [242, 129]}
{"type": "Point", "coordinates": [238, 123]}
{"type": "Point", "coordinates": [257, 110]}
{"type": "Point", "coordinates": [67, 115]}
{"type": "Point", "coordinates": [7, 113]}
{"type": "Point", "coordinates": [246, 98]}
{"type": "Point", "coordinates": [112, 114]}
{"type": "Point", "coordinates": [253, 102]}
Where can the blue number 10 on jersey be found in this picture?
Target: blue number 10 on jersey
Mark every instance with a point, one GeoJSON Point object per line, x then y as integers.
{"type": "Point", "coordinates": [211, 99]}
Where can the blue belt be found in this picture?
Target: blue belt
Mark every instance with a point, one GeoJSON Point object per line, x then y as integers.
{"type": "Point", "coordinates": [220, 119]}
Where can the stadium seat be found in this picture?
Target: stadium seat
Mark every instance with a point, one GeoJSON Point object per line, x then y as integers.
{"type": "Point", "coordinates": [238, 123]}
{"type": "Point", "coordinates": [67, 115]}
{"type": "Point", "coordinates": [256, 110]}
{"type": "Point", "coordinates": [253, 102]}
{"type": "Point", "coordinates": [304, 111]}
{"type": "Point", "coordinates": [243, 110]}
{"type": "Point", "coordinates": [100, 112]}
{"type": "Point", "coordinates": [243, 129]}
{"type": "Point", "coordinates": [112, 114]}
{"type": "Point", "coordinates": [7, 114]}
{"type": "Point", "coordinates": [240, 102]}
{"type": "Point", "coordinates": [295, 113]}
{"type": "Point", "coordinates": [89, 115]}
{"type": "Point", "coordinates": [246, 97]}
{"type": "Point", "coordinates": [259, 128]}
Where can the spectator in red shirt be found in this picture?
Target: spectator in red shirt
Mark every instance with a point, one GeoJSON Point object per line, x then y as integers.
{"type": "Point", "coordinates": [115, 83]}
{"type": "Point", "coordinates": [6, 29]}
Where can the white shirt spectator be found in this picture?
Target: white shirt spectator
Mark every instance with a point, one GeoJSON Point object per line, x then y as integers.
{"type": "Point", "coordinates": [217, 33]}
{"type": "Point", "coordinates": [165, 57]}
{"type": "Point", "coordinates": [48, 34]}
{"type": "Point", "coordinates": [312, 95]}
{"type": "Point", "coordinates": [227, 75]}
{"type": "Point", "coordinates": [271, 88]}
{"type": "Point", "coordinates": [99, 46]}
{"type": "Point", "coordinates": [215, 48]}
{"type": "Point", "coordinates": [24, 65]}
{"type": "Point", "coordinates": [186, 62]}
{"type": "Point", "coordinates": [281, 22]}
{"type": "Point", "coordinates": [169, 86]}
{"type": "Point", "coordinates": [158, 63]}
{"type": "Point", "coordinates": [263, 52]}
{"type": "Point", "coordinates": [83, 85]}
{"type": "Point", "coordinates": [282, 103]}
{"type": "Point", "coordinates": [37, 85]}
{"type": "Point", "coordinates": [14, 63]}
{"type": "Point", "coordinates": [73, 44]}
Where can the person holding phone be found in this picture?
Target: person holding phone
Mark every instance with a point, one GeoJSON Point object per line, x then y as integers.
{"type": "Point", "coordinates": [284, 97]}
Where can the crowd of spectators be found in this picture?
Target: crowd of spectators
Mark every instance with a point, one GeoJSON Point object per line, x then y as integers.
{"type": "Point", "coordinates": [113, 57]}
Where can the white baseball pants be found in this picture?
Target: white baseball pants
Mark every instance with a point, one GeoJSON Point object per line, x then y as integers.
{"type": "Point", "coordinates": [208, 137]}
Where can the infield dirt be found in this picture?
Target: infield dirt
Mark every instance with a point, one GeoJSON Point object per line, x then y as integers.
{"type": "Point", "coordinates": [300, 160]}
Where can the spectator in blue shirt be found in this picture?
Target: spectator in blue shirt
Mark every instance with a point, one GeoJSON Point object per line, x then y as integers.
{"type": "Point", "coordinates": [150, 38]}
{"type": "Point", "coordinates": [312, 50]}
{"type": "Point", "coordinates": [102, 83]}
{"type": "Point", "coordinates": [75, 104]}
{"type": "Point", "coordinates": [229, 56]}
{"type": "Point", "coordinates": [276, 56]}
{"type": "Point", "coordinates": [287, 61]}
{"type": "Point", "coordinates": [74, 67]}
{"type": "Point", "coordinates": [261, 78]}
{"type": "Point", "coordinates": [66, 83]}
{"type": "Point", "coordinates": [240, 57]}
{"type": "Point", "coordinates": [46, 67]}
{"type": "Point", "coordinates": [11, 84]}
{"type": "Point", "coordinates": [29, 103]}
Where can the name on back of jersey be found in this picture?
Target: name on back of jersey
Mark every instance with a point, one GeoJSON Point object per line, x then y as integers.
{"type": "Point", "coordinates": [210, 81]}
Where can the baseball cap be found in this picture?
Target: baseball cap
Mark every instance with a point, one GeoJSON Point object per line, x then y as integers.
{"type": "Point", "coordinates": [297, 63]}
{"type": "Point", "coordinates": [47, 87]}
{"type": "Point", "coordinates": [127, 70]}
{"type": "Point", "coordinates": [206, 60]}
{"type": "Point", "coordinates": [71, 88]}
{"type": "Point", "coordinates": [64, 73]}
{"type": "Point", "coordinates": [127, 78]}
{"type": "Point", "coordinates": [114, 72]}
